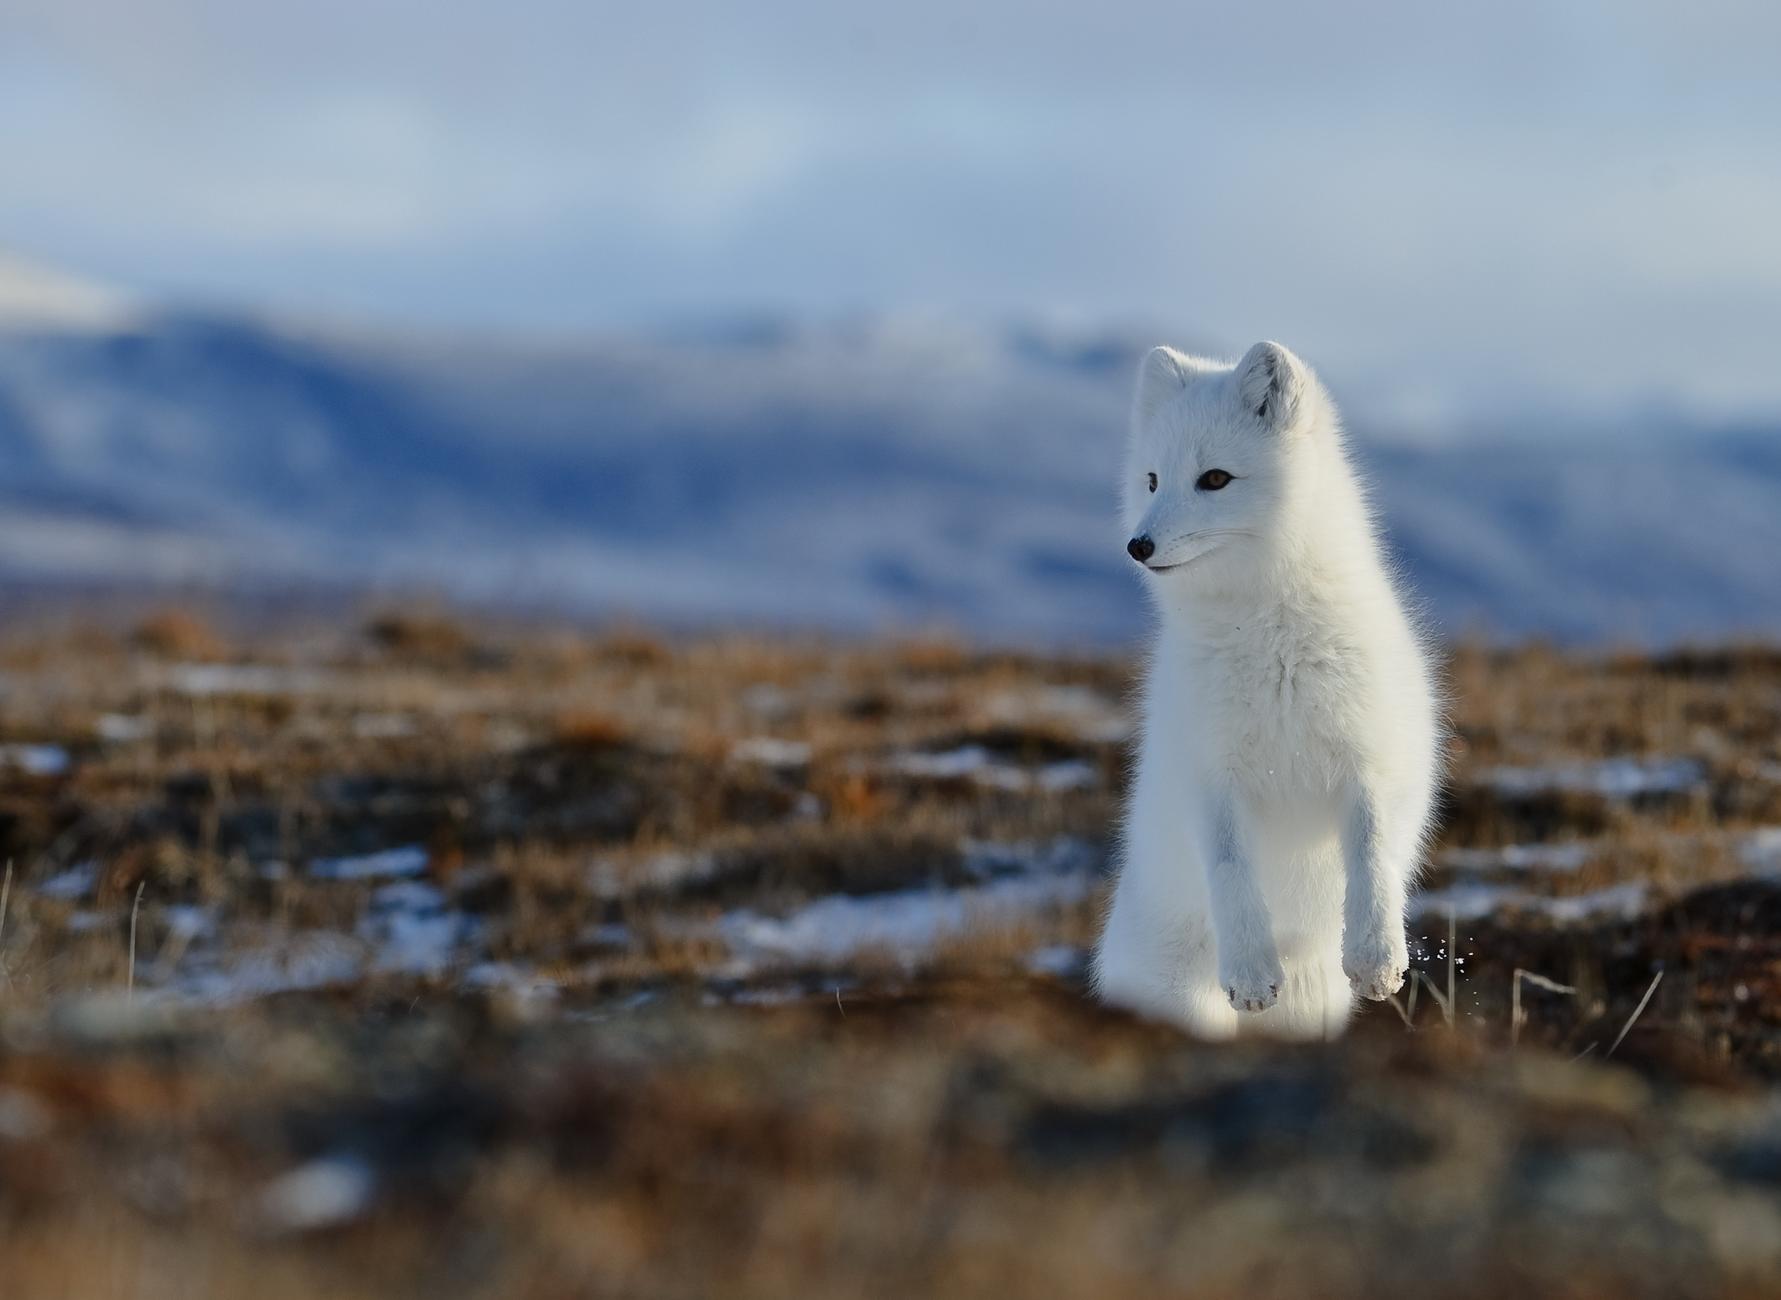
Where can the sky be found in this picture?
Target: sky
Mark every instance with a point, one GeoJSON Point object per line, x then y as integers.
{"type": "Point", "coordinates": [1523, 204]}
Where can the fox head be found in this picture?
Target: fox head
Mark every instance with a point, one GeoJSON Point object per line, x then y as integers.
{"type": "Point", "coordinates": [1210, 467]}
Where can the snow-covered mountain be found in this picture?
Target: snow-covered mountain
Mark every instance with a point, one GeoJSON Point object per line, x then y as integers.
{"type": "Point", "coordinates": [34, 296]}
{"type": "Point", "coordinates": [858, 475]}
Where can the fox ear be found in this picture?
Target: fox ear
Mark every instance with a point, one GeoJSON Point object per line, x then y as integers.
{"type": "Point", "coordinates": [1163, 373]}
{"type": "Point", "coordinates": [1273, 384]}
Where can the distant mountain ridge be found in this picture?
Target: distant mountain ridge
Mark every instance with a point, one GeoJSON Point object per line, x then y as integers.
{"type": "Point", "coordinates": [860, 476]}
{"type": "Point", "coordinates": [34, 296]}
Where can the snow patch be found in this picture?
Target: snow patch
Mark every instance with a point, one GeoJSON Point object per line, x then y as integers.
{"type": "Point", "coordinates": [409, 860]}
{"type": "Point", "coordinates": [36, 760]}
{"type": "Point", "coordinates": [186, 922]}
{"type": "Point", "coordinates": [989, 860]}
{"type": "Point", "coordinates": [773, 995]}
{"type": "Point", "coordinates": [975, 763]}
{"type": "Point", "coordinates": [123, 728]}
{"type": "Point", "coordinates": [1614, 778]}
{"type": "Point", "coordinates": [1080, 709]}
{"type": "Point", "coordinates": [383, 726]}
{"type": "Point", "coordinates": [1471, 902]}
{"type": "Point", "coordinates": [243, 679]}
{"type": "Point", "coordinates": [1761, 851]}
{"type": "Point", "coordinates": [769, 751]}
{"type": "Point", "coordinates": [75, 883]}
{"type": "Point", "coordinates": [908, 922]}
{"type": "Point", "coordinates": [610, 879]}
{"type": "Point", "coordinates": [519, 982]}
{"type": "Point", "coordinates": [324, 1193]}
{"type": "Point", "coordinates": [609, 934]}
{"type": "Point", "coordinates": [308, 960]}
{"type": "Point", "coordinates": [411, 931]}
{"type": "Point", "coordinates": [1061, 960]}
{"type": "Point", "coordinates": [1521, 858]}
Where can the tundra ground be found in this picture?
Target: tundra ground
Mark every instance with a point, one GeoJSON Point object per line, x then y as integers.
{"type": "Point", "coordinates": [420, 957]}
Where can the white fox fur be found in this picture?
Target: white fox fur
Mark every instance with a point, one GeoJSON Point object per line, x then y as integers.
{"type": "Point", "coordinates": [1290, 740]}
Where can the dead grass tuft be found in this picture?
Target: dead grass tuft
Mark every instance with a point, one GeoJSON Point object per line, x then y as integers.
{"type": "Point", "coordinates": [420, 634]}
{"type": "Point", "coordinates": [179, 634]}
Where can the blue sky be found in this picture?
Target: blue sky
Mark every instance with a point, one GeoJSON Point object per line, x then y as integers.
{"type": "Point", "coordinates": [1516, 205]}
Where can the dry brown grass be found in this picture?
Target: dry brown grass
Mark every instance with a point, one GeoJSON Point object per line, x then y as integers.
{"type": "Point", "coordinates": [635, 1111]}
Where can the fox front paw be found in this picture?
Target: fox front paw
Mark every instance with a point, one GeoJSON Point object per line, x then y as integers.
{"type": "Point", "coordinates": [1253, 986]}
{"type": "Point", "coordinates": [1376, 966]}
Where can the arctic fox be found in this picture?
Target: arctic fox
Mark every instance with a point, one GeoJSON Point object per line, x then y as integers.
{"type": "Point", "coordinates": [1289, 743]}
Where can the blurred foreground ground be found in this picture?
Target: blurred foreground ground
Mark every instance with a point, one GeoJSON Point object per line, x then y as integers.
{"type": "Point", "coordinates": [417, 958]}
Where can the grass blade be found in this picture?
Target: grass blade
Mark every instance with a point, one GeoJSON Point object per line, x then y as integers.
{"type": "Point", "coordinates": [1440, 1001]}
{"type": "Point", "coordinates": [1637, 1012]}
{"type": "Point", "coordinates": [1518, 1017]}
{"type": "Point", "coordinates": [5, 898]}
{"type": "Point", "coordinates": [135, 910]}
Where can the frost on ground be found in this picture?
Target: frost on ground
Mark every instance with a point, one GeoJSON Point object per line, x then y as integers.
{"type": "Point", "coordinates": [1471, 901]}
{"type": "Point", "coordinates": [1519, 858]}
{"type": "Point", "coordinates": [409, 860]}
{"type": "Point", "coordinates": [975, 763]}
{"type": "Point", "coordinates": [907, 924]}
{"type": "Point", "coordinates": [34, 760]}
{"type": "Point", "coordinates": [1616, 778]}
{"type": "Point", "coordinates": [431, 960]}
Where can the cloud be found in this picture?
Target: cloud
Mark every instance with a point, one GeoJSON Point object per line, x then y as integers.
{"type": "Point", "coordinates": [1525, 197]}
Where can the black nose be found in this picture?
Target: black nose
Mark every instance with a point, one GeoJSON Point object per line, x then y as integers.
{"type": "Point", "coordinates": [1141, 548]}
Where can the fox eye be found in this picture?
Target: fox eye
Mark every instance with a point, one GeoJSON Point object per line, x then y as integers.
{"type": "Point", "coordinates": [1153, 480]}
{"type": "Point", "coordinates": [1212, 480]}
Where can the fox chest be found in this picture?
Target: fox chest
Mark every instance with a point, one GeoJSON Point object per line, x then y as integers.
{"type": "Point", "coordinates": [1274, 721]}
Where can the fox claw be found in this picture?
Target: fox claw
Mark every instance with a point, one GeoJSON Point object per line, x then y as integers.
{"type": "Point", "coordinates": [1253, 999]}
{"type": "Point", "coordinates": [1256, 988]}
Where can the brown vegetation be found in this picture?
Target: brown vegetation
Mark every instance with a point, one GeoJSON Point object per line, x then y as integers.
{"type": "Point", "coordinates": [566, 1036]}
